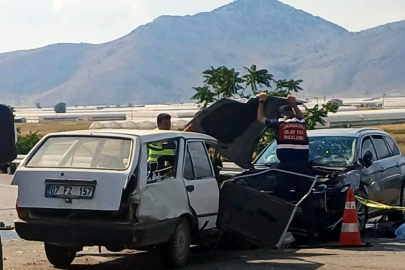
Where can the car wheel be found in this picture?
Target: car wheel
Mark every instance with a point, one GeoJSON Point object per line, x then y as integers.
{"type": "Point", "coordinates": [362, 210]}
{"type": "Point", "coordinates": [399, 215]}
{"type": "Point", "coordinates": [59, 256]}
{"type": "Point", "coordinates": [175, 252]}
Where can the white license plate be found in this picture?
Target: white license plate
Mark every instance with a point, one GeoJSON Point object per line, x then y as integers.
{"type": "Point", "coordinates": [66, 191]}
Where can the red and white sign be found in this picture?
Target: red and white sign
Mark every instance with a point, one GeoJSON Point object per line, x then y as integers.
{"type": "Point", "coordinates": [293, 132]}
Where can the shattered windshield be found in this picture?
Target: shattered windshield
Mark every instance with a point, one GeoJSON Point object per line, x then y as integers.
{"type": "Point", "coordinates": [323, 151]}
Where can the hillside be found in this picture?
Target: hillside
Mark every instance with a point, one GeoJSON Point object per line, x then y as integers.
{"type": "Point", "coordinates": [160, 62]}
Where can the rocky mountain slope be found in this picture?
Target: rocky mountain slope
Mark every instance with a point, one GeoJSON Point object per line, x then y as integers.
{"type": "Point", "coordinates": [160, 62]}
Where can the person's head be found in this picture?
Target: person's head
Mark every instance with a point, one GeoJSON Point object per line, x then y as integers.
{"type": "Point", "coordinates": [164, 121]}
{"type": "Point", "coordinates": [286, 111]}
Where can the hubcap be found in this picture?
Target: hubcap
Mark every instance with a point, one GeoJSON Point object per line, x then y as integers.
{"type": "Point", "coordinates": [181, 243]}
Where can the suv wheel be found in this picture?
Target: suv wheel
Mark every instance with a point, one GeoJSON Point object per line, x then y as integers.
{"type": "Point", "coordinates": [59, 256]}
{"type": "Point", "coordinates": [174, 253]}
{"type": "Point", "coordinates": [362, 210]}
{"type": "Point", "coordinates": [399, 215]}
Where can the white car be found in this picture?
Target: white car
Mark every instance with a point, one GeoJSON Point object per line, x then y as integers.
{"type": "Point", "coordinates": [100, 188]}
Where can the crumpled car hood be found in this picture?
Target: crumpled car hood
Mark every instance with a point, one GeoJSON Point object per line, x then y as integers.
{"type": "Point", "coordinates": [234, 124]}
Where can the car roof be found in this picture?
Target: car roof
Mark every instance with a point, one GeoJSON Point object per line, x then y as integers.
{"type": "Point", "coordinates": [143, 135]}
{"type": "Point", "coordinates": [345, 132]}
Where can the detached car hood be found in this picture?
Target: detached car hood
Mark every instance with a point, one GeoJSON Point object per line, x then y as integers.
{"type": "Point", "coordinates": [234, 124]}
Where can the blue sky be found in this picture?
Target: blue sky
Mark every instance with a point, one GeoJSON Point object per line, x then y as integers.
{"type": "Point", "coordinates": [26, 24]}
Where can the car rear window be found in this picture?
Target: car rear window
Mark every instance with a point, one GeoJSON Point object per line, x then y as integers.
{"type": "Point", "coordinates": [381, 147]}
{"type": "Point", "coordinates": [83, 152]}
{"type": "Point", "coordinates": [393, 146]}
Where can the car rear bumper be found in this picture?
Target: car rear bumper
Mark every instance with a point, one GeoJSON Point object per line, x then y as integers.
{"type": "Point", "coordinates": [86, 233]}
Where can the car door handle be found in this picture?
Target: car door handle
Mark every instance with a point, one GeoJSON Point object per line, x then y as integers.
{"type": "Point", "coordinates": [190, 188]}
{"type": "Point", "coordinates": [382, 169]}
{"type": "Point", "coordinates": [397, 164]}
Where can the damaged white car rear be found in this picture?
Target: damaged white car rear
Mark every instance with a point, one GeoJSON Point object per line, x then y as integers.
{"type": "Point", "coordinates": [121, 189]}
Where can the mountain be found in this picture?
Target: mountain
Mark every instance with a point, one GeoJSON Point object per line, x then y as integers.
{"type": "Point", "coordinates": [160, 62]}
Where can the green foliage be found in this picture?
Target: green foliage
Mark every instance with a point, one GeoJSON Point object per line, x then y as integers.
{"type": "Point", "coordinates": [60, 107]}
{"type": "Point", "coordinates": [27, 142]}
{"type": "Point", "coordinates": [314, 115]}
{"type": "Point", "coordinates": [225, 83]}
{"type": "Point", "coordinates": [257, 77]}
{"type": "Point", "coordinates": [203, 96]}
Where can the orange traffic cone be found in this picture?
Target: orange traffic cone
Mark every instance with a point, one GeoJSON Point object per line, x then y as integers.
{"type": "Point", "coordinates": [350, 233]}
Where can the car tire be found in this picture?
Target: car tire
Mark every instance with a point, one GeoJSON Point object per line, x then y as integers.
{"type": "Point", "coordinates": [175, 252]}
{"type": "Point", "coordinates": [362, 210]}
{"type": "Point", "coordinates": [398, 215]}
{"type": "Point", "coordinates": [59, 256]}
{"type": "Point", "coordinates": [115, 249]}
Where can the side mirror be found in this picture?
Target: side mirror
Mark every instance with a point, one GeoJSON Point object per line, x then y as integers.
{"type": "Point", "coordinates": [367, 159]}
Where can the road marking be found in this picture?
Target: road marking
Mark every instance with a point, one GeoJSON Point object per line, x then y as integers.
{"type": "Point", "coordinates": [1, 185]}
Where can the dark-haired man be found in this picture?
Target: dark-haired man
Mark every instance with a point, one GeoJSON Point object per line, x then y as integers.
{"type": "Point", "coordinates": [293, 152]}
{"type": "Point", "coordinates": [164, 121]}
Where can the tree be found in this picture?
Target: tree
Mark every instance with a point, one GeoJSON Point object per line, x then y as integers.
{"type": "Point", "coordinates": [60, 107]}
{"type": "Point", "coordinates": [38, 105]}
{"type": "Point", "coordinates": [203, 96]}
{"type": "Point", "coordinates": [27, 142]}
{"type": "Point", "coordinates": [257, 77]}
{"type": "Point", "coordinates": [314, 115]}
{"type": "Point", "coordinates": [225, 82]}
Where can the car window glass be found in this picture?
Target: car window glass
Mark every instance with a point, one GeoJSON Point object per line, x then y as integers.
{"type": "Point", "coordinates": [381, 147]}
{"type": "Point", "coordinates": [84, 155]}
{"type": "Point", "coordinates": [393, 146]}
{"type": "Point", "coordinates": [161, 160]}
{"type": "Point", "coordinates": [270, 155]}
{"type": "Point", "coordinates": [83, 152]}
{"type": "Point", "coordinates": [200, 160]}
{"type": "Point", "coordinates": [188, 172]}
{"type": "Point", "coordinates": [367, 145]}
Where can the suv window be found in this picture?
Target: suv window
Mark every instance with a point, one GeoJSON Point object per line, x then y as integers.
{"type": "Point", "coordinates": [393, 146]}
{"type": "Point", "coordinates": [382, 148]}
{"type": "Point", "coordinates": [197, 164]}
{"type": "Point", "coordinates": [367, 145]}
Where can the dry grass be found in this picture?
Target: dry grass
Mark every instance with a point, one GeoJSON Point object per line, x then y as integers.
{"type": "Point", "coordinates": [50, 127]}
